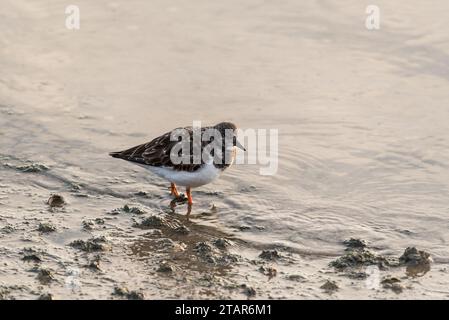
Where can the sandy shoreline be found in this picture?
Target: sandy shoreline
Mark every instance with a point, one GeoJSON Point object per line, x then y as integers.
{"type": "Point", "coordinates": [363, 142]}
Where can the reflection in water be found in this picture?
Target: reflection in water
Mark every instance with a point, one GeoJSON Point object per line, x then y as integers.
{"type": "Point", "coordinates": [181, 199]}
{"type": "Point", "coordinates": [187, 245]}
{"type": "Point", "coordinates": [417, 270]}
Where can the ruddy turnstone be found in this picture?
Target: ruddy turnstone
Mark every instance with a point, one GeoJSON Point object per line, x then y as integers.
{"type": "Point", "coordinates": [193, 171]}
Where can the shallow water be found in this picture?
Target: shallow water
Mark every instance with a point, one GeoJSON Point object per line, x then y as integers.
{"type": "Point", "coordinates": [363, 141]}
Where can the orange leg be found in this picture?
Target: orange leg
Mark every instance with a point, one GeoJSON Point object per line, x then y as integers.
{"type": "Point", "coordinates": [189, 202]}
{"type": "Point", "coordinates": [189, 196]}
{"type": "Point", "coordinates": [174, 191]}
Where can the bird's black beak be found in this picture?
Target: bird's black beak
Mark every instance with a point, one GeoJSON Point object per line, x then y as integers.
{"type": "Point", "coordinates": [239, 145]}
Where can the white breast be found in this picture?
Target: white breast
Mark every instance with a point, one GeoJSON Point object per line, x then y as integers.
{"type": "Point", "coordinates": [206, 174]}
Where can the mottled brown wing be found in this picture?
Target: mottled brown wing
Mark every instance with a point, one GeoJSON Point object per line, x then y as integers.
{"type": "Point", "coordinates": [156, 153]}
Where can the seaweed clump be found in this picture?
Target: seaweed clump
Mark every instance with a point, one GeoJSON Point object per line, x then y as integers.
{"type": "Point", "coordinates": [45, 276]}
{"type": "Point", "coordinates": [127, 209]}
{"type": "Point", "coordinates": [357, 255]}
{"type": "Point", "coordinates": [270, 255]}
{"type": "Point", "coordinates": [46, 228]}
{"type": "Point", "coordinates": [330, 286]}
{"type": "Point", "coordinates": [134, 210]}
{"type": "Point", "coordinates": [91, 245]}
{"type": "Point", "coordinates": [417, 262]}
{"type": "Point", "coordinates": [56, 200]}
{"type": "Point", "coordinates": [206, 253]}
{"type": "Point", "coordinates": [354, 243]}
{"type": "Point", "coordinates": [162, 222]}
{"type": "Point", "coordinates": [152, 222]}
{"type": "Point", "coordinates": [414, 257]}
{"type": "Point", "coordinates": [248, 291]}
{"type": "Point", "coordinates": [4, 293]}
{"type": "Point", "coordinates": [270, 272]}
{"type": "Point", "coordinates": [130, 295]}
{"type": "Point", "coordinates": [222, 243]}
{"type": "Point", "coordinates": [359, 258]}
{"type": "Point", "coordinates": [46, 296]}
{"type": "Point", "coordinates": [31, 255]}
{"type": "Point", "coordinates": [94, 264]}
{"type": "Point", "coordinates": [392, 283]}
{"type": "Point", "coordinates": [165, 268]}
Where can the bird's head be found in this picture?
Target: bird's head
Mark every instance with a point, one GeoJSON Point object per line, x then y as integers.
{"type": "Point", "coordinates": [224, 127]}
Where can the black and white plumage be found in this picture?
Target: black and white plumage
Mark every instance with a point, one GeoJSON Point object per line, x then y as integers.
{"type": "Point", "coordinates": [156, 157]}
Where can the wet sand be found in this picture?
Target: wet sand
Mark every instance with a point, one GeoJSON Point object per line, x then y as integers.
{"type": "Point", "coordinates": [363, 149]}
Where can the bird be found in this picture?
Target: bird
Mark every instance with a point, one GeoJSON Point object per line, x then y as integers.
{"type": "Point", "coordinates": [156, 156]}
